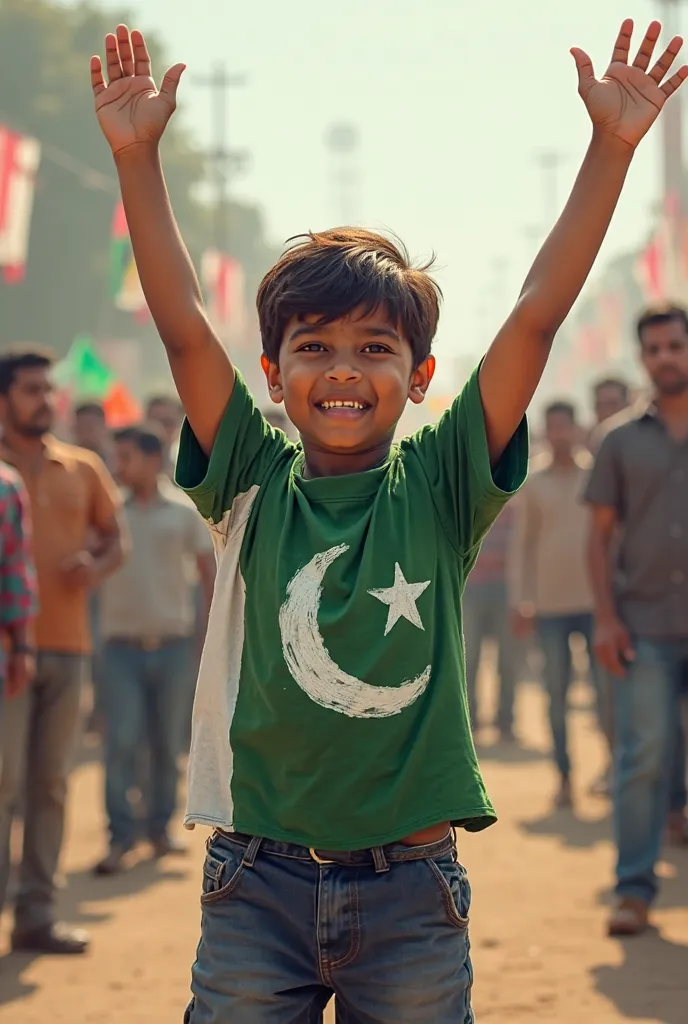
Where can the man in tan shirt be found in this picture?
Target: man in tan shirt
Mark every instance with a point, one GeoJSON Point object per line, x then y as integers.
{"type": "Point", "coordinates": [548, 580]}
{"type": "Point", "coordinates": [77, 543]}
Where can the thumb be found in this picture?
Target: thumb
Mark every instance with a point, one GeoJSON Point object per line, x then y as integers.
{"type": "Point", "coordinates": [586, 73]}
{"type": "Point", "coordinates": [169, 84]}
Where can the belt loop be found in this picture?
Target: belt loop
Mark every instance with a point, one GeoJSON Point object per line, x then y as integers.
{"type": "Point", "coordinates": [379, 860]}
{"type": "Point", "coordinates": [252, 849]}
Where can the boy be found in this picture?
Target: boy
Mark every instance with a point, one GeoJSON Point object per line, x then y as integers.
{"type": "Point", "coordinates": [331, 747]}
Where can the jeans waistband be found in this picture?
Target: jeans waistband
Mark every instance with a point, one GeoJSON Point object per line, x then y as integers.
{"type": "Point", "coordinates": [379, 857]}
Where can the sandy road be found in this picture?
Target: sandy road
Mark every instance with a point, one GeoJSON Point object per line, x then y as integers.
{"type": "Point", "coordinates": [540, 882]}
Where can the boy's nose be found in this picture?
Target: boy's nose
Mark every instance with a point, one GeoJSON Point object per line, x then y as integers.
{"type": "Point", "coordinates": [343, 373]}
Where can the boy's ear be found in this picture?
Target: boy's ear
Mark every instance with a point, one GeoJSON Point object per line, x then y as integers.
{"type": "Point", "coordinates": [272, 376]}
{"type": "Point", "coordinates": [420, 380]}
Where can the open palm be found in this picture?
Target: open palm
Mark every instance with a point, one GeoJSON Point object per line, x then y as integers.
{"type": "Point", "coordinates": [130, 109]}
{"type": "Point", "coordinates": [627, 99]}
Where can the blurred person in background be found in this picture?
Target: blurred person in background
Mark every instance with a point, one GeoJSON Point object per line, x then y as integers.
{"type": "Point", "coordinates": [638, 560]}
{"type": "Point", "coordinates": [77, 543]}
{"type": "Point", "coordinates": [611, 397]}
{"type": "Point", "coordinates": [18, 588]}
{"type": "Point", "coordinates": [148, 626]}
{"type": "Point", "coordinates": [549, 588]}
{"type": "Point", "coordinates": [486, 617]}
{"type": "Point", "coordinates": [167, 413]}
{"type": "Point", "coordinates": [90, 430]}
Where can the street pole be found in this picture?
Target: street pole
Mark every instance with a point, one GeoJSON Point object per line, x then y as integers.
{"type": "Point", "coordinates": [220, 82]}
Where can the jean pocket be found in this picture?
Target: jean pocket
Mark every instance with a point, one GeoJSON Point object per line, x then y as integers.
{"type": "Point", "coordinates": [222, 870]}
{"type": "Point", "coordinates": [454, 887]}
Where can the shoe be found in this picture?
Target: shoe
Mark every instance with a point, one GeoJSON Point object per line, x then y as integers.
{"type": "Point", "coordinates": [677, 829]}
{"type": "Point", "coordinates": [58, 939]}
{"type": "Point", "coordinates": [113, 863]}
{"type": "Point", "coordinates": [564, 797]}
{"type": "Point", "coordinates": [166, 846]}
{"type": "Point", "coordinates": [630, 917]}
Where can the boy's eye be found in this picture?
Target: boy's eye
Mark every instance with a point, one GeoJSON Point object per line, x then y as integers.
{"type": "Point", "coordinates": [375, 348]}
{"type": "Point", "coordinates": [312, 346]}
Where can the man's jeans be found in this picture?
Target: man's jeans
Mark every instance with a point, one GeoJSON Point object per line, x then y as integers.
{"type": "Point", "coordinates": [486, 615]}
{"type": "Point", "coordinates": [145, 705]}
{"type": "Point", "coordinates": [647, 704]}
{"type": "Point", "coordinates": [281, 933]}
{"type": "Point", "coordinates": [39, 733]}
{"type": "Point", "coordinates": [555, 633]}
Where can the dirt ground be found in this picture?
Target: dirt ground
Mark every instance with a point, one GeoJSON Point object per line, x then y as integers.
{"type": "Point", "coordinates": [541, 891]}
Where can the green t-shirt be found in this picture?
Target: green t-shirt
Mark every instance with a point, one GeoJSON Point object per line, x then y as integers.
{"type": "Point", "coordinates": [331, 705]}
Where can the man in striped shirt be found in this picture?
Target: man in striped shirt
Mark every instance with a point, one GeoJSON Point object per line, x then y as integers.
{"type": "Point", "coordinates": [18, 590]}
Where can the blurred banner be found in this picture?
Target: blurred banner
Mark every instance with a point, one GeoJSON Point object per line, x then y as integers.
{"type": "Point", "coordinates": [125, 286]}
{"type": "Point", "coordinates": [20, 157]}
{"type": "Point", "coordinates": [224, 284]}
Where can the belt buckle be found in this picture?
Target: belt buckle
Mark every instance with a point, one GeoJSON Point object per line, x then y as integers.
{"type": "Point", "coordinates": [150, 643]}
{"type": "Point", "coordinates": [317, 859]}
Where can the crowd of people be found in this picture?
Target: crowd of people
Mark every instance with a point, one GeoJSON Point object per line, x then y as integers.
{"type": "Point", "coordinates": [596, 547]}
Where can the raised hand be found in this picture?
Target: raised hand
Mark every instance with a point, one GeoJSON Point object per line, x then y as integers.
{"type": "Point", "coordinates": [627, 99]}
{"type": "Point", "coordinates": [130, 109]}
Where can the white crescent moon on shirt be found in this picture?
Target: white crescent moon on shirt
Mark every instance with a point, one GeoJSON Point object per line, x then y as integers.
{"type": "Point", "coordinates": [310, 663]}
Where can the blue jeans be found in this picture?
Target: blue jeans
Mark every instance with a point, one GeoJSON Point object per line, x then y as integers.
{"type": "Point", "coordinates": [281, 934]}
{"type": "Point", "coordinates": [647, 705]}
{"type": "Point", "coordinates": [486, 615]}
{"type": "Point", "coordinates": [555, 633]}
{"type": "Point", "coordinates": [145, 705]}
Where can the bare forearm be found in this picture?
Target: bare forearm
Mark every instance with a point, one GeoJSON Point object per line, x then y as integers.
{"type": "Point", "coordinates": [167, 275]}
{"type": "Point", "coordinates": [110, 557]}
{"type": "Point", "coordinates": [566, 258]}
{"type": "Point", "coordinates": [599, 570]}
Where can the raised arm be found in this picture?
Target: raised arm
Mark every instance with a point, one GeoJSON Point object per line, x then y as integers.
{"type": "Point", "coordinates": [622, 107]}
{"type": "Point", "coordinates": [132, 114]}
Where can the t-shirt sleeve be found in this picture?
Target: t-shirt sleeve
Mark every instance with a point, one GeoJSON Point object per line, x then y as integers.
{"type": "Point", "coordinates": [604, 483]}
{"type": "Point", "coordinates": [245, 448]}
{"type": "Point", "coordinates": [469, 494]}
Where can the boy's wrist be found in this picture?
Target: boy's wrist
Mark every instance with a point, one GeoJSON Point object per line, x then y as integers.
{"type": "Point", "coordinates": [611, 145]}
{"type": "Point", "coordinates": [137, 151]}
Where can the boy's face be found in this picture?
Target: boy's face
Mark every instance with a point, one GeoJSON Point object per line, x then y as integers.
{"type": "Point", "coordinates": [345, 384]}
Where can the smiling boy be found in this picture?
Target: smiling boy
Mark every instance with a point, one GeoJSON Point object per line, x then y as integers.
{"type": "Point", "coordinates": [331, 749]}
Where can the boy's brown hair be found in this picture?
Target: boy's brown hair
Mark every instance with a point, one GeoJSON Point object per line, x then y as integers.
{"type": "Point", "coordinates": [330, 274]}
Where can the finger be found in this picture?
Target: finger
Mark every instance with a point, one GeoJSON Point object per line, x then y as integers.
{"type": "Point", "coordinates": [169, 84]}
{"type": "Point", "coordinates": [114, 68]}
{"type": "Point", "coordinates": [142, 62]}
{"type": "Point", "coordinates": [670, 86]}
{"type": "Point", "coordinates": [622, 45]}
{"type": "Point", "coordinates": [124, 45]}
{"type": "Point", "coordinates": [647, 47]}
{"type": "Point", "coordinates": [586, 72]}
{"type": "Point", "coordinates": [666, 60]}
{"type": "Point", "coordinates": [97, 80]}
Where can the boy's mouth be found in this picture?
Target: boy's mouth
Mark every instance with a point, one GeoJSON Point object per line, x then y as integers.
{"type": "Point", "coordinates": [346, 408]}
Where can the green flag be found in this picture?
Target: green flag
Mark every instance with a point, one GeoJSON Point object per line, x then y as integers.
{"type": "Point", "coordinates": [83, 371]}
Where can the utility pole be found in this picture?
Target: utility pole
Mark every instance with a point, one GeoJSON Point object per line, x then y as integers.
{"type": "Point", "coordinates": [672, 122]}
{"type": "Point", "coordinates": [224, 159]}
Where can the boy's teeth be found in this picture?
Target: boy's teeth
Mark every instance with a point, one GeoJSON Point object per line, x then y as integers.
{"type": "Point", "coordinates": [338, 404]}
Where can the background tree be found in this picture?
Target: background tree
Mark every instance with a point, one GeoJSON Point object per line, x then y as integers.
{"type": "Point", "coordinates": [44, 92]}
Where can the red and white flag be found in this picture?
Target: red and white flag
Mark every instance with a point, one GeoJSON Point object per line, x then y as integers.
{"type": "Point", "coordinates": [224, 284]}
{"type": "Point", "coordinates": [20, 157]}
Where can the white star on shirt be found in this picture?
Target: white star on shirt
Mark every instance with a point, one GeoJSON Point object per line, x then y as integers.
{"type": "Point", "coordinates": [401, 599]}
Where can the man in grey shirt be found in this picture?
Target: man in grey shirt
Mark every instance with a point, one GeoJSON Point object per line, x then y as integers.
{"type": "Point", "coordinates": [148, 624]}
{"type": "Point", "coordinates": [638, 491]}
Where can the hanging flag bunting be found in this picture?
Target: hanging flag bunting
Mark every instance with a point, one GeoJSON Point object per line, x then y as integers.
{"type": "Point", "coordinates": [20, 157]}
{"type": "Point", "coordinates": [224, 283]}
{"type": "Point", "coordinates": [125, 286]}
